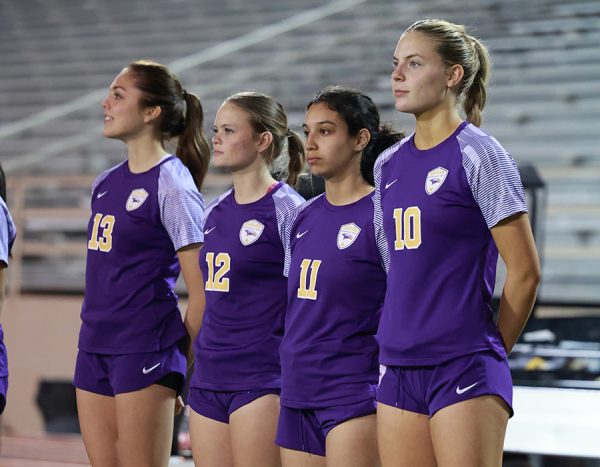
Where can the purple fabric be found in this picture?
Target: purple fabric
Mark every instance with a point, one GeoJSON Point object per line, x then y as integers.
{"type": "Point", "coordinates": [428, 389]}
{"type": "Point", "coordinates": [138, 222]}
{"type": "Point", "coordinates": [437, 207]}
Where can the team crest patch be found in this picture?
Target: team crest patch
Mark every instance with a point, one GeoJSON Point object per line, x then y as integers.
{"type": "Point", "coordinates": [347, 234]}
{"type": "Point", "coordinates": [250, 231]}
{"type": "Point", "coordinates": [435, 179]}
{"type": "Point", "coordinates": [136, 199]}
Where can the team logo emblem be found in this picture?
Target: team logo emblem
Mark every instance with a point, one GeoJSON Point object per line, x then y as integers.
{"type": "Point", "coordinates": [250, 231]}
{"type": "Point", "coordinates": [347, 234]}
{"type": "Point", "coordinates": [435, 179]}
{"type": "Point", "coordinates": [136, 199]}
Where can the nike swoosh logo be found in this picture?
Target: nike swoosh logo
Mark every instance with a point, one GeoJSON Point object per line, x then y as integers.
{"type": "Point", "coordinates": [298, 235]}
{"type": "Point", "coordinates": [100, 195]}
{"type": "Point", "coordinates": [460, 390]}
{"type": "Point", "coordinates": [148, 370]}
{"type": "Point", "coordinates": [387, 185]}
{"type": "Point", "coordinates": [206, 232]}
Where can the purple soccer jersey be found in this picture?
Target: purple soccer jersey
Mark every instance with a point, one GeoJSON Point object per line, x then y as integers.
{"type": "Point", "coordinates": [242, 265]}
{"type": "Point", "coordinates": [437, 207]}
{"type": "Point", "coordinates": [336, 287]}
{"type": "Point", "coordinates": [138, 223]}
{"type": "Point", "coordinates": [8, 234]}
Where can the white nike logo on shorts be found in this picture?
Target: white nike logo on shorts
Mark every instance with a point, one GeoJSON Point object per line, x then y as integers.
{"type": "Point", "coordinates": [100, 195]}
{"type": "Point", "coordinates": [298, 235]}
{"type": "Point", "coordinates": [148, 370]}
{"type": "Point", "coordinates": [460, 390]}
{"type": "Point", "coordinates": [206, 232]}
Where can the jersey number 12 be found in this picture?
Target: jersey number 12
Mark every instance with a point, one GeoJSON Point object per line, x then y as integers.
{"type": "Point", "coordinates": [216, 280]}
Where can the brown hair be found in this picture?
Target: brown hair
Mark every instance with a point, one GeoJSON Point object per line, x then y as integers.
{"type": "Point", "coordinates": [181, 114]}
{"type": "Point", "coordinates": [266, 114]}
{"type": "Point", "coordinates": [455, 46]}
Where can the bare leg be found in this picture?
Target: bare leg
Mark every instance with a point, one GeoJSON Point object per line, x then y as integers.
{"type": "Point", "coordinates": [211, 442]}
{"type": "Point", "coordinates": [291, 458]}
{"type": "Point", "coordinates": [404, 438]}
{"type": "Point", "coordinates": [253, 429]}
{"type": "Point", "coordinates": [145, 421]}
{"type": "Point", "coordinates": [470, 433]}
{"type": "Point", "coordinates": [98, 421]}
{"type": "Point", "coordinates": [353, 443]}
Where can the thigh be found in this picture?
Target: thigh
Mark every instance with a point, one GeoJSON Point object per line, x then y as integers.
{"type": "Point", "coordinates": [353, 443]}
{"type": "Point", "coordinates": [211, 441]}
{"type": "Point", "coordinates": [145, 423]}
{"type": "Point", "coordinates": [253, 427]}
{"type": "Point", "coordinates": [470, 433]}
{"type": "Point", "coordinates": [292, 458]}
{"type": "Point", "coordinates": [404, 438]}
{"type": "Point", "coordinates": [98, 422]}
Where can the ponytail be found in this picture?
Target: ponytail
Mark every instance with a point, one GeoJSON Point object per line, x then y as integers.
{"type": "Point", "coordinates": [475, 94]}
{"type": "Point", "coordinates": [192, 146]}
{"type": "Point", "coordinates": [385, 137]}
{"type": "Point", "coordinates": [296, 157]}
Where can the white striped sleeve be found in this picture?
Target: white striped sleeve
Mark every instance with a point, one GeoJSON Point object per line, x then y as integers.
{"type": "Point", "coordinates": [181, 205]}
{"type": "Point", "coordinates": [492, 175]}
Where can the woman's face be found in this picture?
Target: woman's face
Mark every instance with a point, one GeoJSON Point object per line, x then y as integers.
{"type": "Point", "coordinates": [420, 80]}
{"type": "Point", "coordinates": [330, 149]}
{"type": "Point", "coordinates": [235, 142]}
{"type": "Point", "coordinates": [123, 117]}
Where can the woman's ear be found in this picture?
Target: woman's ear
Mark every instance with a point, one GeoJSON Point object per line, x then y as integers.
{"type": "Point", "coordinates": [151, 113]}
{"type": "Point", "coordinates": [455, 75]}
{"type": "Point", "coordinates": [362, 139]}
{"type": "Point", "coordinates": [264, 141]}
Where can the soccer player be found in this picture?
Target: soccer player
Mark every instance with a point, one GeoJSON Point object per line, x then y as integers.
{"type": "Point", "coordinates": [144, 230]}
{"type": "Point", "coordinates": [336, 286]}
{"type": "Point", "coordinates": [234, 390]}
{"type": "Point", "coordinates": [449, 198]}
{"type": "Point", "coordinates": [7, 237]}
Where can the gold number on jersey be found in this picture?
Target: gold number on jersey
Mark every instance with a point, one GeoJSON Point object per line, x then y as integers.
{"type": "Point", "coordinates": [216, 281]}
{"type": "Point", "coordinates": [103, 241]}
{"type": "Point", "coordinates": [309, 292]}
{"type": "Point", "coordinates": [408, 228]}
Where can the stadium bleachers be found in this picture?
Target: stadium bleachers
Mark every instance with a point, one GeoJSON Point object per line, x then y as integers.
{"type": "Point", "coordinates": [57, 57]}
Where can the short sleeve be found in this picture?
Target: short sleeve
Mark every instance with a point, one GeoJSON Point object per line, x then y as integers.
{"type": "Point", "coordinates": [7, 233]}
{"type": "Point", "coordinates": [492, 175]}
{"type": "Point", "coordinates": [181, 205]}
{"type": "Point", "coordinates": [182, 215]}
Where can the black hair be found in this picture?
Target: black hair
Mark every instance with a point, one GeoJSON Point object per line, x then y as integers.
{"type": "Point", "coordinates": [359, 111]}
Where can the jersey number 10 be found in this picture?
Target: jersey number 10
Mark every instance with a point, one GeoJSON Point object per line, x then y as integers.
{"type": "Point", "coordinates": [408, 228]}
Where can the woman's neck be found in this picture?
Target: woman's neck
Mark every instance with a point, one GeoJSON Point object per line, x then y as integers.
{"type": "Point", "coordinates": [144, 153]}
{"type": "Point", "coordinates": [346, 189]}
{"type": "Point", "coordinates": [435, 126]}
{"type": "Point", "coordinates": [252, 184]}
